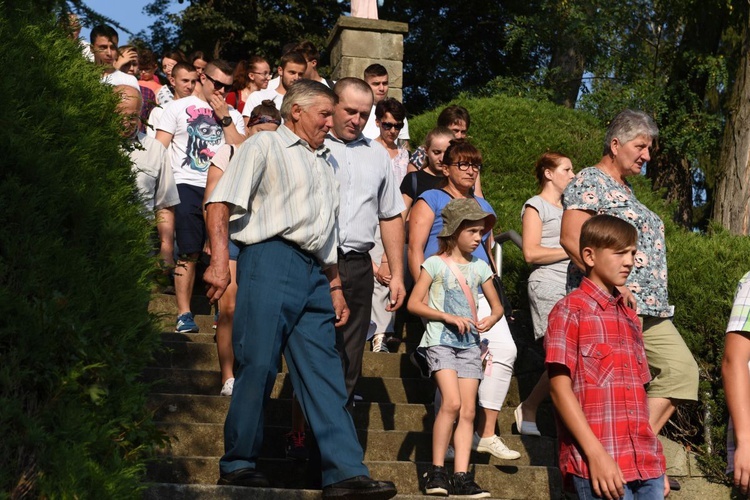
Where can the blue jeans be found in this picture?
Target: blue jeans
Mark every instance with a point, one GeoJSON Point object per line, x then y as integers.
{"type": "Point", "coordinates": [648, 489]}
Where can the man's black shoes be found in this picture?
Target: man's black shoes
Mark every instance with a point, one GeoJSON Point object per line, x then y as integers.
{"type": "Point", "coordinates": [360, 487]}
{"type": "Point", "coordinates": [244, 477]}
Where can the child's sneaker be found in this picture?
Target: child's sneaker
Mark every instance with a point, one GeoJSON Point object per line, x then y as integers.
{"type": "Point", "coordinates": [186, 324]}
{"type": "Point", "coordinates": [464, 485]}
{"type": "Point", "coordinates": [378, 343]}
{"type": "Point", "coordinates": [295, 446]}
{"type": "Point", "coordinates": [494, 446]}
{"type": "Point", "coordinates": [436, 481]}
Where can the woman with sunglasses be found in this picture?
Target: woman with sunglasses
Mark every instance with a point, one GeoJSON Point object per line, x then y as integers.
{"type": "Point", "coordinates": [249, 76]}
{"type": "Point", "coordinates": [461, 165]}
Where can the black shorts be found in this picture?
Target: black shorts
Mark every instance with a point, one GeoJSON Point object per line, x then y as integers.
{"type": "Point", "coordinates": [190, 228]}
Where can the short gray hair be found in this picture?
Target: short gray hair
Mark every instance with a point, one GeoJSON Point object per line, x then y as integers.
{"type": "Point", "coordinates": [304, 93]}
{"type": "Point", "coordinates": [628, 125]}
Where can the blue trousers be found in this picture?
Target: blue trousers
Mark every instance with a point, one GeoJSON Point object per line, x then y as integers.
{"type": "Point", "coordinates": [284, 305]}
{"type": "Point", "coordinates": [647, 489]}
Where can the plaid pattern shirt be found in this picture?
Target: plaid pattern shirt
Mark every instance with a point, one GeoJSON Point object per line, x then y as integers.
{"type": "Point", "coordinates": [739, 321]}
{"type": "Point", "coordinates": [599, 340]}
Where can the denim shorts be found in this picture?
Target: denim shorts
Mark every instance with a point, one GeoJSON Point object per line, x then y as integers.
{"type": "Point", "coordinates": [467, 363]}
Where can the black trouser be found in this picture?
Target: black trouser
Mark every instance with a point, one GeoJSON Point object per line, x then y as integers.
{"type": "Point", "coordinates": [355, 270]}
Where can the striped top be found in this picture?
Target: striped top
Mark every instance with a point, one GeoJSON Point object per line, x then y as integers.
{"type": "Point", "coordinates": [276, 185]}
{"type": "Point", "coordinates": [368, 190]}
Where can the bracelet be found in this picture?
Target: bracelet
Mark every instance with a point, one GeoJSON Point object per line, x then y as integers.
{"type": "Point", "coordinates": [337, 287]}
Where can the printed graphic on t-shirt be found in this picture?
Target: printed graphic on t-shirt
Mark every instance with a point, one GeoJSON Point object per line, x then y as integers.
{"type": "Point", "coordinates": [203, 133]}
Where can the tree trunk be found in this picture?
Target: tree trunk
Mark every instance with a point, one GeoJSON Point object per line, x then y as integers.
{"type": "Point", "coordinates": [732, 196]}
{"type": "Point", "coordinates": [673, 173]}
{"type": "Point", "coordinates": [565, 74]}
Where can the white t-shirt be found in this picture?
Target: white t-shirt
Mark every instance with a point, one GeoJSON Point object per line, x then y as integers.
{"type": "Point", "coordinates": [273, 84]}
{"type": "Point", "coordinates": [119, 78]}
{"type": "Point", "coordinates": [256, 98]}
{"type": "Point", "coordinates": [196, 137]}
{"type": "Point", "coordinates": [371, 130]}
{"type": "Point", "coordinates": [153, 121]}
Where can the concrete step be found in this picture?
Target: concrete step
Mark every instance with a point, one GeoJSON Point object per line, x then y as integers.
{"type": "Point", "coordinates": [176, 408]}
{"type": "Point", "coordinates": [208, 440]}
{"type": "Point", "coordinates": [531, 482]}
{"type": "Point", "coordinates": [204, 382]}
{"type": "Point", "coordinates": [203, 356]}
{"type": "Point", "coordinates": [212, 492]}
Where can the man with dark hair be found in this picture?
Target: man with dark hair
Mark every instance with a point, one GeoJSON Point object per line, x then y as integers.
{"type": "Point", "coordinates": [312, 55]}
{"type": "Point", "coordinates": [370, 197]}
{"type": "Point", "coordinates": [276, 81]}
{"type": "Point", "coordinates": [192, 129]}
{"type": "Point", "coordinates": [104, 46]}
{"type": "Point", "coordinates": [281, 194]}
{"type": "Point", "coordinates": [376, 77]}
{"type": "Point", "coordinates": [183, 81]}
{"type": "Point", "coordinates": [292, 67]}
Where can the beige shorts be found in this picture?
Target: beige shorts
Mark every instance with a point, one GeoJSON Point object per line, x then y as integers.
{"type": "Point", "coordinates": [674, 372]}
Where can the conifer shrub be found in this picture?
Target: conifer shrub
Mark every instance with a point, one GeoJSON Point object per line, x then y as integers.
{"type": "Point", "coordinates": [74, 277]}
{"type": "Point", "coordinates": [704, 268]}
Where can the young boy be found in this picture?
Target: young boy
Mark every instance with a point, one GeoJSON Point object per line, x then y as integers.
{"type": "Point", "coordinates": [597, 368]}
{"type": "Point", "coordinates": [736, 376]}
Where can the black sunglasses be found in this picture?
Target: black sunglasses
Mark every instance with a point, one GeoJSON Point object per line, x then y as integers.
{"type": "Point", "coordinates": [388, 126]}
{"type": "Point", "coordinates": [218, 85]}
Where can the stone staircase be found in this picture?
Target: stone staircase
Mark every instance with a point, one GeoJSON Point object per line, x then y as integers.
{"type": "Point", "coordinates": [394, 425]}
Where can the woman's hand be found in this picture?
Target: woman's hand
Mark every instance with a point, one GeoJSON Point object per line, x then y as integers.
{"type": "Point", "coordinates": [383, 275]}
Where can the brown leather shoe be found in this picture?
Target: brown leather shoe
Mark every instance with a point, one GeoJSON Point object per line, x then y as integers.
{"type": "Point", "coordinates": [360, 487]}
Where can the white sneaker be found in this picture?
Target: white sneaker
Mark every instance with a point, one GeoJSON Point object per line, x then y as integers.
{"type": "Point", "coordinates": [494, 446]}
{"type": "Point", "coordinates": [226, 390]}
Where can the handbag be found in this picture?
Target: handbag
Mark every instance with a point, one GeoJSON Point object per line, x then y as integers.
{"type": "Point", "coordinates": [484, 344]}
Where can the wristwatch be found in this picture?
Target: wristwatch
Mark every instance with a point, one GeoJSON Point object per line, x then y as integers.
{"type": "Point", "coordinates": [226, 121]}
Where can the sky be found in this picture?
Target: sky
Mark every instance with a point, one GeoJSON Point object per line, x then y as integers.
{"type": "Point", "coordinates": [129, 13]}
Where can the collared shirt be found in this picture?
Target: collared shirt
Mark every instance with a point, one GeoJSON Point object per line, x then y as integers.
{"type": "Point", "coordinates": [367, 188]}
{"type": "Point", "coordinates": [739, 321]}
{"type": "Point", "coordinates": [599, 340]}
{"type": "Point", "coordinates": [277, 186]}
{"type": "Point", "coordinates": [598, 192]}
{"type": "Point", "coordinates": [153, 174]}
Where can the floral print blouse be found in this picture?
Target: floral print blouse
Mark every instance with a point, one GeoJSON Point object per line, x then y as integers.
{"type": "Point", "coordinates": [594, 190]}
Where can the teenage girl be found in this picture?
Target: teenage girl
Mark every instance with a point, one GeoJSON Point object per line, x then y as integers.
{"type": "Point", "coordinates": [445, 295]}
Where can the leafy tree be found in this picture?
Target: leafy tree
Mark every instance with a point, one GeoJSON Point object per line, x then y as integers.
{"type": "Point", "coordinates": [234, 29]}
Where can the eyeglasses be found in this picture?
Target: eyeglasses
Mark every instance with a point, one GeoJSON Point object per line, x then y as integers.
{"type": "Point", "coordinates": [388, 126]}
{"type": "Point", "coordinates": [267, 76]}
{"type": "Point", "coordinates": [218, 85]}
{"type": "Point", "coordinates": [464, 166]}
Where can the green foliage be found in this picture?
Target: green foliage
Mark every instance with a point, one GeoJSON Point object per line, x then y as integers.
{"type": "Point", "coordinates": [704, 268]}
{"type": "Point", "coordinates": [234, 29]}
{"type": "Point", "coordinates": [74, 278]}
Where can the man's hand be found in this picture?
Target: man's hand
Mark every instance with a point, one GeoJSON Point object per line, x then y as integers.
{"type": "Point", "coordinates": [219, 105]}
{"type": "Point", "coordinates": [340, 308]}
{"type": "Point", "coordinates": [607, 480]}
{"type": "Point", "coordinates": [217, 280]}
{"type": "Point", "coordinates": [397, 295]}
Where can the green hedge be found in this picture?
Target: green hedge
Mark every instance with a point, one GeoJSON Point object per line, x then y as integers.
{"type": "Point", "coordinates": [74, 277]}
{"type": "Point", "coordinates": [704, 269]}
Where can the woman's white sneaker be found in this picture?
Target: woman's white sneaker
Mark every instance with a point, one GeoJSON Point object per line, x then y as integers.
{"type": "Point", "coordinates": [494, 446]}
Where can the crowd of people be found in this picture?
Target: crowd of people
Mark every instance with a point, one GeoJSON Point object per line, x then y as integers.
{"type": "Point", "coordinates": [318, 222]}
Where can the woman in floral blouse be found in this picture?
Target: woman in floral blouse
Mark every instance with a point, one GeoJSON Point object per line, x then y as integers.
{"type": "Point", "coordinates": [604, 189]}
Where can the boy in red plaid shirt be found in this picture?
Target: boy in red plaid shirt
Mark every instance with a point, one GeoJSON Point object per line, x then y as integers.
{"type": "Point", "coordinates": [597, 368]}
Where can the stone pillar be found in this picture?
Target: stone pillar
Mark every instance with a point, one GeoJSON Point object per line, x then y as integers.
{"type": "Point", "coordinates": [355, 43]}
